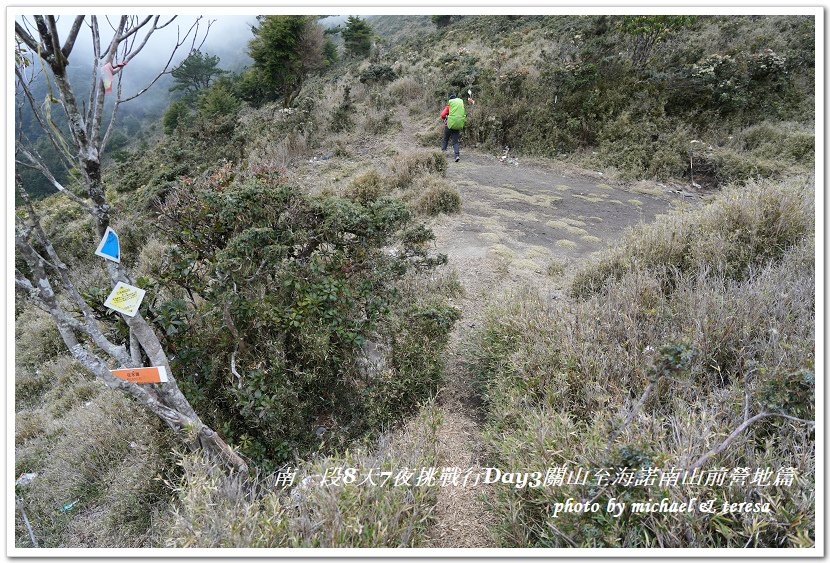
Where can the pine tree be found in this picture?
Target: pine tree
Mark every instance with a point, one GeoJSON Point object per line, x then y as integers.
{"type": "Point", "coordinates": [285, 49]}
{"type": "Point", "coordinates": [357, 37]}
{"type": "Point", "coordinates": [195, 73]}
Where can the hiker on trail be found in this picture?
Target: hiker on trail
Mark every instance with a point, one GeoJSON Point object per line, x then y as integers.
{"type": "Point", "coordinates": [454, 117]}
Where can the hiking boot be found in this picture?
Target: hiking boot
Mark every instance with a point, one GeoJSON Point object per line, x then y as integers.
{"type": "Point", "coordinates": [457, 158]}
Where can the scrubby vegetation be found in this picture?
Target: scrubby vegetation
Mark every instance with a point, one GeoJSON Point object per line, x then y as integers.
{"type": "Point", "coordinates": [437, 197]}
{"type": "Point", "coordinates": [214, 510]}
{"type": "Point", "coordinates": [680, 335]}
{"type": "Point", "coordinates": [742, 233]}
{"type": "Point", "coordinates": [648, 96]}
{"type": "Point", "coordinates": [95, 451]}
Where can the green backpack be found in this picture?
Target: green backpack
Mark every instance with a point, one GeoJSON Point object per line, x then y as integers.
{"type": "Point", "coordinates": [457, 115]}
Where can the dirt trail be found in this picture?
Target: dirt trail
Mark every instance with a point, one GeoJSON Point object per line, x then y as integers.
{"type": "Point", "coordinates": [517, 219]}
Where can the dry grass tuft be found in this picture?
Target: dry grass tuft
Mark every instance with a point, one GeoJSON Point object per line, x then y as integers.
{"type": "Point", "coordinates": [405, 168]}
{"type": "Point", "coordinates": [436, 196]}
{"type": "Point", "coordinates": [212, 510]}
{"type": "Point", "coordinates": [366, 187]}
{"type": "Point", "coordinates": [739, 232]}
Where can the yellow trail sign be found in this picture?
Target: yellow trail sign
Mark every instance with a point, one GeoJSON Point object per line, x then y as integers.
{"type": "Point", "coordinates": [125, 299]}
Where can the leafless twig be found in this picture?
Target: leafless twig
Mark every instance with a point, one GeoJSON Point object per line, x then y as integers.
{"type": "Point", "coordinates": [737, 432]}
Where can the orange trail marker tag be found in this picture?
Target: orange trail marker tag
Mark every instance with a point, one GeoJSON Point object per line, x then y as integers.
{"type": "Point", "coordinates": [142, 375]}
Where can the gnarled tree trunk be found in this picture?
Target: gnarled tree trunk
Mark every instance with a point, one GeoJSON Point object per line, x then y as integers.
{"type": "Point", "coordinates": [83, 149]}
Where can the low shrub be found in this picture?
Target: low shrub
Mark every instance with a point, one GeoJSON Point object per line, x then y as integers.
{"type": "Point", "coordinates": [380, 121]}
{"type": "Point", "coordinates": [377, 74]}
{"type": "Point", "coordinates": [293, 289]}
{"type": "Point", "coordinates": [437, 197]}
{"type": "Point", "coordinates": [766, 150]}
{"type": "Point", "coordinates": [432, 137]}
{"type": "Point", "coordinates": [416, 365]}
{"type": "Point", "coordinates": [788, 141]}
{"type": "Point", "coordinates": [177, 112]}
{"type": "Point", "coordinates": [366, 187]}
{"type": "Point", "coordinates": [407, 89]}
{"type": "Point", "coordinates": [218, 100]}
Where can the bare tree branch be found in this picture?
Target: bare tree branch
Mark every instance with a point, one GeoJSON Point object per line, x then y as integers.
{"type": "Point", "coordinates": [23, 283]}
{"type": "Point", "coordinates": [38, 164]}
{"type": "Point", "coordinates": [35, 261]}
{"type": "Point", "coordinates": [165, 24]}
{"type": "Point", "coordinates": [24, 36]}
{"type": "Point", "coordinates": [52, 132]}
{"type": "Point", "coordinates": [69, 44]}
{"type": "Point", "coordinates": [164, 399]}
{"type": "Point", "coordinates": [98, 111]}
{"type": "Point", "coordinates": [96, 83]}
{"type": "Point", "coordinates": [59, 59]}
{"type": "Point", "coordinates": [113, 48]}
{"type": "Point", "coordinates": [135, 29]}
{"type": "Point", "coordinates": [143, 43]}
{"type": "Point", "coordinates": [180, 40]}
{"type": "Point", "coordinates": [113, 115]}
{"type": "Point", "coordinates": [45, 39]}
{"type": "Point", "coordinates": [135, 349]}
{"type": "Point", "coordinates": [737, 432]}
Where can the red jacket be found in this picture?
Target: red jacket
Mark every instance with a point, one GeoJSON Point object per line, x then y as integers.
{"type": "Point", "coordinates": [445, 113]}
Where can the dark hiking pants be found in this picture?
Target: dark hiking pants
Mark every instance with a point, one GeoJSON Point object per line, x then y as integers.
{"type": "Point", "coordinates": [454, 135]}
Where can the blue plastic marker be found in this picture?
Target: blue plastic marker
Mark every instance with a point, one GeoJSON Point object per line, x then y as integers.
{"type": "Point", "coordinates": [109, 246]}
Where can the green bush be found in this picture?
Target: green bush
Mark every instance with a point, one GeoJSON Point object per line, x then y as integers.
{"type": "Point", "coordinates": [786, 142]}
{"type": "Point", "coordinates": [252, 86]}
{"type": "Point", "coordinates": [378, 74]}
{"type": "Point", "coordinates": [417, 344]}
{"type": "Point", "coordinates": [294, 288]}
{"type": "Point", "coordinates": [219, 100]}
{"type": "Point", "coordinates": [341, 119]}
{"type": "Point", "coordinates": [177, 112]}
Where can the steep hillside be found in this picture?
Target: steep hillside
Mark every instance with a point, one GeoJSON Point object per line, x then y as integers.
{"type": "Point", "coordinates": [642, 96]}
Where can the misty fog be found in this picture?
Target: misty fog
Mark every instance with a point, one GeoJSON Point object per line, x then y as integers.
{"type": "Point", "coordinates": [223, 35]}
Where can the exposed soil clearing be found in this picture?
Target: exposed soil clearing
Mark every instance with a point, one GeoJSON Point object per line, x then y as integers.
{"type": "Point", "coordinates": [515, 221]}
